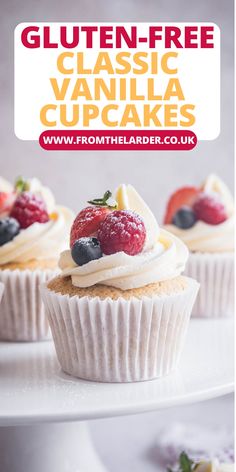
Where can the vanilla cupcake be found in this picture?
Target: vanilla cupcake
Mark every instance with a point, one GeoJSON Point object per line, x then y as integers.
{"type": "Point", "coordinates": [33, 231]}
{"type": "Point", "coordinates": [203, 218]}
{"type": "Point", "coordinates": [120, 309]}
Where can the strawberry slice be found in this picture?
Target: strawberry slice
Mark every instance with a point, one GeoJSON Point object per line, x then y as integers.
{"type": "Point", "coordinates": [3, 197]}
{"type": "Point", "coordinates": [184, 196]}
{"type": "Point", "coordinates": [87, 222]}
{"type": "Point", "coordinates": [6, 202]}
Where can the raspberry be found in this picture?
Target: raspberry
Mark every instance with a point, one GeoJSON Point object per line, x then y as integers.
{"type": "Point", "coordinates": [87, 222]}
{"type": "Point", "coordinates": [29, 209]}
{"type": "Point", "coordinates": [122, 230]}
{"type": "Point", "coordinates": [209, 209]}
{"type": "Point", "coordinates": [184, 196]}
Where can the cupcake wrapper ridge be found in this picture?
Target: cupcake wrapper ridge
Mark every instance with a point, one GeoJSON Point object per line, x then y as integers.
{"type": "Point", "coordinates": [119, 340]}
{"type": "Point", "coordinates": [215, 273]}
{"type": "Point", "coordinates": [22, 315]}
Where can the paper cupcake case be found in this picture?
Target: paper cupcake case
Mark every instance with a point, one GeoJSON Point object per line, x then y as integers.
{"type": "Point", "coordinates": [215, 273]}
{"type": "Point", "coordinates": [22, 314]}
{"type": "Point", "coordinates": [119, 340]}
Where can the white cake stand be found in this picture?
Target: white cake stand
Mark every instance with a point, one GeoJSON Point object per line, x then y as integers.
{"type": "Point", "coordinates": [35, 396]}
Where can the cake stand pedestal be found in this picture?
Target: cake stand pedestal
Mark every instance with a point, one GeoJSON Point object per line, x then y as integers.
{"type": "Point", "coordinates": [59, 447]}
{"type": "Point", "coordinates": [43, 411]}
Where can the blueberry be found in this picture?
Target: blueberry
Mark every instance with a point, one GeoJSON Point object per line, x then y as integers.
{"type": "Point", "coordinates": [9, 228]}
{"type": "Point", "coordinates": [184, 218]}
{"type": "Point", "coordinates": [85, 250]}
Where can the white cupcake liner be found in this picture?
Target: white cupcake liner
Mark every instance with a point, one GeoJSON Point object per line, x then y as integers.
{"type": "Point", "coordinates": [22, 315]}
{"type": "Point", "coordinates": [119, 340]}
{"type": "Point", "coordinates": [215, 273]}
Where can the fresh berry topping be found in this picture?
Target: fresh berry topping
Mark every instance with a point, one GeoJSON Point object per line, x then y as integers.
{"type": "Point", "coordinates": [29, 209]}
{"type": "Point", "coordinates": [9, 228]}
{"type": "Point", "coordinates": [183, 197]}
{"type": "Point", "coordinates": [6, 202]}
{"type": "Point", "coordinates": [122, 230]}
{"type": "Point", "coordinates": [87, 222]}
{"type": "Point", "coordinates": [3, 198]}
{"type": "Point", "coordinates": [85, 250]}
{"type": "Point", "coordinates": [184, 218]}
{"type": "Point", "coordinates": [209, 209]}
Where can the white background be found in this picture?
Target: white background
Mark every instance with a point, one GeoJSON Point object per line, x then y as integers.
{"type": "Point", "coordinates": [198, 73]}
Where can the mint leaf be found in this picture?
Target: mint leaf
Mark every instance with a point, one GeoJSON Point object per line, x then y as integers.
{"type": "Point", "coordinates": [21, 185]}
{"type": "Point", "coordinates": [107, 195]}
{"type": "Point", "coordinates": [104, 201]}
{"type": "Point", "coordinates": [186, 464]}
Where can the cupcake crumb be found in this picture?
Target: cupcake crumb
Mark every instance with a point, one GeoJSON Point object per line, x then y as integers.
{"type": "Point", "coordinates": [64, 287]}
{"type": "Point", "coordinates": [33, 264]}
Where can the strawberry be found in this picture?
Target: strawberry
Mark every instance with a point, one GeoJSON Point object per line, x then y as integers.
{"type": "Point", "coordinates": [3, 200]}
{"type": "Point", "coordinates": [6, 202]}
{"type": "Point", "coordinates": [184, 196]}
{"type": "Point", "coordinates": [87, 222]}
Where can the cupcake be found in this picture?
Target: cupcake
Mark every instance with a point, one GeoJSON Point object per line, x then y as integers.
{"type": "Point", "coordinates": [119, 310]}
{"type": "Point", "coordinates": [203, 218]}
{"type": "Point", "coordinates": [33, 231]}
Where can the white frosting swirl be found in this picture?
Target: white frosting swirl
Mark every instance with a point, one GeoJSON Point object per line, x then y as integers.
{"type": "Point", "coordinates": [5, 186]}
{"type": "Point", "coordinates": [207, 238]}
{"type": "Point", "coordinates": [129, 199]}
{"type": "Point", "coordinates": [40, 240]}
{"type": "Point", "coordinates": [164, 261]}
{"type": "Point", "coordinates": [43, 192]}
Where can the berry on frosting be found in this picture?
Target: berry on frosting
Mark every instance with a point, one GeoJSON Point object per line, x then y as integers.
{"type": "Point", "coordinates": [29, 209]}
{"type": "Point", "coordinates": [122, 230]}
{"type": "Point", "coordinates": [209, 209]}
{"type": "Point", "coordinates": [185, 196]}
{"type": "Point", "coordinates": [87, 222]}
{"type": "Point", "coordinates": [3, 199]}
{"type": "Point", "coordinates": [9, 228]}
{"type": "Point", "coordinates": [85, 250]}
{"type": "Point", "coordinates": [6, 202]}
{"type": "Point", "coordinates": [184, 218]}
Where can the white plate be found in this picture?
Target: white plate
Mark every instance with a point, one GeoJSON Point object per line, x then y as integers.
{"type": "Point", "coordinates": [33, 389]}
